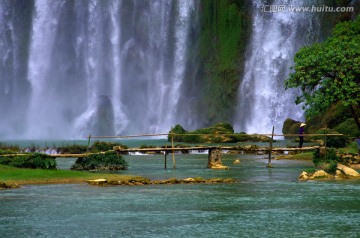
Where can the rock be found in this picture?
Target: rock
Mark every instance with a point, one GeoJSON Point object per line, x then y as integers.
{"type": "Point", "coordinates": [199, 180]}
{"type": "Point", "coordinates": [97, 181]}
{"type": "Point", "coordinates": [7, 186]}
{"type": "Point", "coordinates": [320, 174]}
{"type": "Point", "coordinates": [355, 166]}
{"type": "Point", "coordinates": [340, 175]}
{"type": "Point", "coordinates": [303, 176]}
{"type": "Point", "coordinates": [189, 180]}
{"type": "Point", "coordinates": [215, 180]}
{"type": "Point", "coordinates": [219, 166]}
{"type": "Point", "coordinates": [347, 171]}
{"type": "Point", "coordinates": [229, 180]}
{"type": "Point", "coordinates": [237, 161]}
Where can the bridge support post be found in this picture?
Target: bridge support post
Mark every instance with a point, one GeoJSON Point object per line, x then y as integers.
{"type": "Point", "coordinates": [270, 148]}
{"type": "Point", "coordinates": [215, 159]}
{"type": "Point", "coordinates": [165, 161]}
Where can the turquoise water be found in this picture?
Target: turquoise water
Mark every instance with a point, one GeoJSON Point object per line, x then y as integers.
{"type": "Point", "coordinates": [263, 203]}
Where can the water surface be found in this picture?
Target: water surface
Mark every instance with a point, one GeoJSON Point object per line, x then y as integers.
{"type": "Point", "coordinates": [263, 203]}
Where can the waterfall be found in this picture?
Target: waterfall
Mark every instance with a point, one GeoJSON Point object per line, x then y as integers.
{"type": "Point", "coordinates": [93, 67]}
{"type": "Point", "coordinates": [275, 38]}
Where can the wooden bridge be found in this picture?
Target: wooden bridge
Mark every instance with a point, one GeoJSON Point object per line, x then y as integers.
{"type": "Point", "coordinates": [214, 152]}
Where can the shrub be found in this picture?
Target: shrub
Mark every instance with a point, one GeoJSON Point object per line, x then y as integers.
{"type": "Point", "coordinates": [326, 160]}
{"type": "Point", "coordinates": [109, 160]}
{"type": "Point", "coordinates": [73, 149]}
{"type": "Point", "coordinates": [178, 129]}
{"type": "Point", "coordinates": [336, 141]}
{"type": "Point", "coordinates": [32, 161]}
{"type": "Point", "coordinates": [100, 146]}
{"type": "Point", "coordinates": [9, 148]}
{"type": "Point", "coordinates": [348, 127]}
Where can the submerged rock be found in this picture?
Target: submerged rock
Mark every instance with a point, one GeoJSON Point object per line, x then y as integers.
{"type": "Point", "coordinates": [237, 161]}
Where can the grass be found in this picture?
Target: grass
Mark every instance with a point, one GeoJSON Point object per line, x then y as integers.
{"type": "Point", "coordinates": [12, 175]}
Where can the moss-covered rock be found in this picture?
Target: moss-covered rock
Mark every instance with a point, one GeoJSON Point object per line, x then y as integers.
{"type": "Point", "coordinates": [291, 126]}
{"type": "Point", "coordinates": [219, 133]}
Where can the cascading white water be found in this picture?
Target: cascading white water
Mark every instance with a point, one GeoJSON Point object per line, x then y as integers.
{"type": "Point", "coordinates": [276, 36]}
{"type": "Point", "coordinates": [94, 67]}
{"type": "Point", "coordinates": [43, 108]}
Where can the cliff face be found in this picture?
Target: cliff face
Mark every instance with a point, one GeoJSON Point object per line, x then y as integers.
{"type": "Point", "coordinates": [223, 37]}
{"type": "Point", "coordinates": [224, 31]}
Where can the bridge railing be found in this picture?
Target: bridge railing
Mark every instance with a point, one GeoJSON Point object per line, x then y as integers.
{"type": "Point", "coordinates": [272, 135]}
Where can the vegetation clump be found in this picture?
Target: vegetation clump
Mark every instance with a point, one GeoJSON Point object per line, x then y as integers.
{"type": "Point", "coordinates": [109, 160]}
{"type": "Point", "coordinates": [97, 146]}
{"type": "Point", "coordinates": [219, 133]}
{"type": "Point", "coordinates": [8, 149]}
{"type": "Point", "coordinates": [32, 161]}
{"type": "Point", "coordinates": [328, 73]}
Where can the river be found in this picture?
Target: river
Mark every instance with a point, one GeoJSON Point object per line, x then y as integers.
{"type": "Point", "coordinates": [262, 203]}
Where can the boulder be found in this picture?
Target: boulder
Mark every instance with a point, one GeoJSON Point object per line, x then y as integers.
{"type": "Point", "coordinates": [320, 174]}
{"type": "Point", "coordinates": [290, 126]}
{"type": "Point", "coordinates": [303, 176]}
{"type": "Point", "coordinates": [347, 171]}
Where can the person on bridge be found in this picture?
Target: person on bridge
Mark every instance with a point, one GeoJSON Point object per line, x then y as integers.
{"type": "Point", "coordinates": [301, 134]}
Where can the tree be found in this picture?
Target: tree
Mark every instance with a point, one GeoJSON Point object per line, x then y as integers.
{"type": "Point", "coordinates": [329, 72]}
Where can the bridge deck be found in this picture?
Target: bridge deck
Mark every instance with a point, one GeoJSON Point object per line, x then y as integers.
{"type": "Point", "coordinates": [240, 148]}
{"type": "Point", "coordinates": [183, 149]}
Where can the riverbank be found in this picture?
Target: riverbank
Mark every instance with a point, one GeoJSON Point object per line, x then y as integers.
{"type": "Point", "coordinates": [14, 177]}
{"type": "Point", "coordinates": [11, 177]}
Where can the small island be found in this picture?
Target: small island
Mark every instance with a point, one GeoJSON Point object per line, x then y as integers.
{"type": "Point", "coordinates": [219, 133]}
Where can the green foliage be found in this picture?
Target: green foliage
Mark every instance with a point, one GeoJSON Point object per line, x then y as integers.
{"type": "Point", "coordinates": [336, 141]}
{"type": "Point", "coordinates": [348, 127]}
{"type": "Point", "coordinates": [178, 129]}
{"type": "Point", "coordinates": [4, 152]}
{"type": "Point", "coordinates": [329, 72]}
{"type": "Point", "coordinates": [222, 132]}
{"type": "Point", "coordinates": [326, 160]}
{"type": "Point", "coordinates": [109, 160]}
{"type": "Point", "coordinates": [219, 128]}
{"type": "Point", "coordinates": [73, 149]}
{"type": "Point", "coordinates": [9, 148]}
{"type": "Point", "coordinates": [100, 146]}
{"type": "Point", "coordinates": [352, 148]}
{"type": "Point", "coordinates": [32, 161]}
{"type": "Point", "coordinates": [224, 30]}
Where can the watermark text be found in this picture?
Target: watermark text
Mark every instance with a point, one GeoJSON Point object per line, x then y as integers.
{"type": "Point", "coordinates": [313, 8]}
